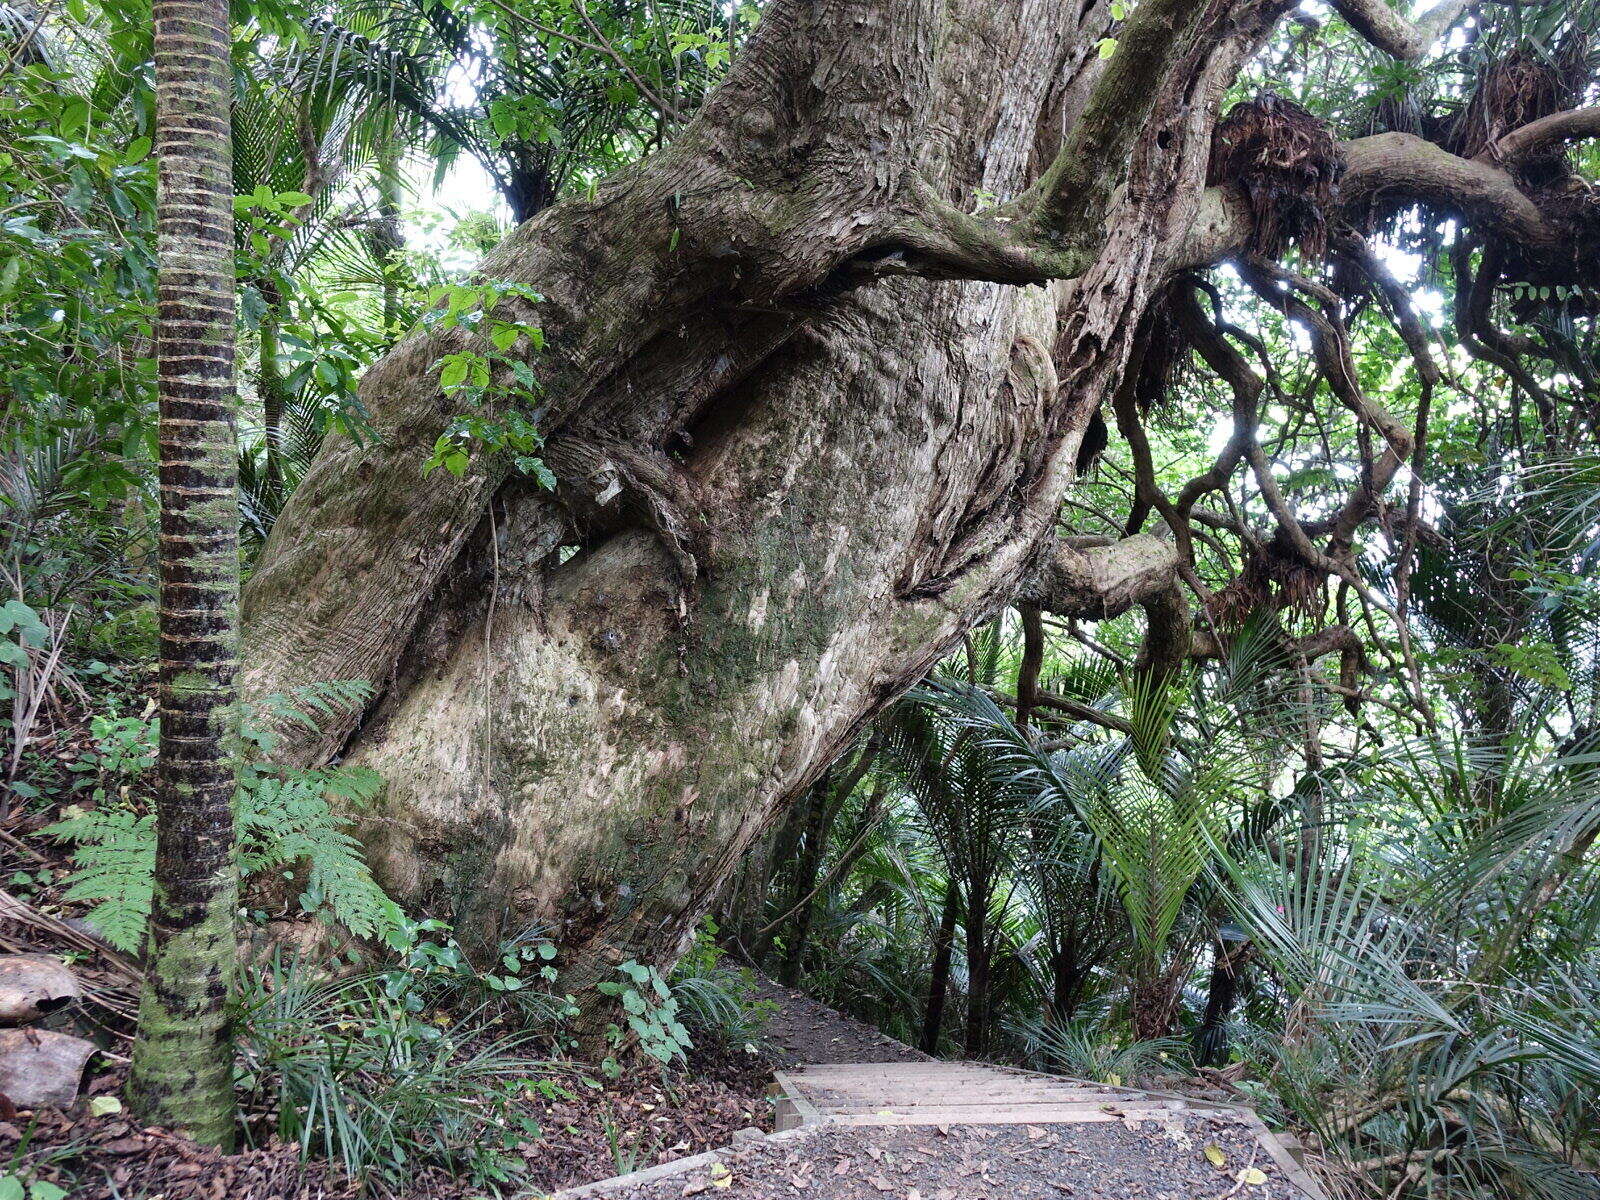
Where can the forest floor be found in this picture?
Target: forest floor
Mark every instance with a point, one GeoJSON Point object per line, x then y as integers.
{"type": "Point", "coordinates": [716, 1102]}
{"type": "Point", "coordinates": [594, 1129]}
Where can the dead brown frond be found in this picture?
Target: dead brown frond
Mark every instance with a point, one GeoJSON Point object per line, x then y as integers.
{"type": "Point", "coordinates": [1286, 162]}
{"type": "Point", "coordinates": [1274, 578]}
{"type": "Point", "coordinates": [1525, 84]}
{"type": "Point", "coordinates": [1162, 353]}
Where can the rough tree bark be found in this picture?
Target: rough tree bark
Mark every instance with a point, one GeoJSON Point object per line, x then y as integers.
{"type": "Point", "coordinates": [814, 380]}
{"type": "Point", "coordinates": [182, 1073]}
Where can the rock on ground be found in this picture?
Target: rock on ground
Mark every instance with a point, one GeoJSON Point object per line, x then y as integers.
{"type": "Point", "coordinates": [41, 1069]}
{"type": "Point", "coordinates": [32, 985]}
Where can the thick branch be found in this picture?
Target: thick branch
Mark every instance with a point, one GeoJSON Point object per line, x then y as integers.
{"type": "Point", "coordinates": [1536, 135]}
{"type": "Point", "coordinates": [1055, 229]}
{"type": "Point", "coordinates": [1335, 639]}
{"type": "Point", "coordinates": [1390, 32]}
{"type": "Point", "coordinates": [1405, 163]}
{"type": "Point", "coordinates": [1393, 164]}
{"type": "Point", "coordinates": [1075, 191]}
{"type": "Point", "coordinates": [1101, 581]}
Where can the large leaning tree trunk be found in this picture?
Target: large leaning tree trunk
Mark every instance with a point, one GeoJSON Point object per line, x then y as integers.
{"type": "Point", "coordinates": [814, 379]}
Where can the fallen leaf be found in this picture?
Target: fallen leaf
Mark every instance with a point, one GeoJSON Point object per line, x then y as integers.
{"type": "Point", "coordinates": [1215, 1156]}
{"type": "Point", "coordinates": [102, 1106]}
{"type": "Point", "coordinates": [1254, 1176]}
{"type": "Point", "coordinates": [1034, 1132]}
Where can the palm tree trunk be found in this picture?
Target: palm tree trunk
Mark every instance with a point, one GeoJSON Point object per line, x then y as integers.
{"type": "Point", "coordinates": [1032, 662]}
{"type": "Point", "coordinates": [270, 386]}
{"type": "Point", "coordinates": [834, 795]}
{"type": "Point", "coordinates": [182, 1073]}
{"type": "Point", "coordinates": [973, 1040]}
{"type": "Point", "coordinates": [1211, 1039]}
{"type": "Point", "coordinates": [939, 984]}
{"type": "Point", "coordinates": [1067, 980]}
{"type": "Point", "coordinates": [388, 237]}
{"type": "Point", "coordinates": [785, 845]}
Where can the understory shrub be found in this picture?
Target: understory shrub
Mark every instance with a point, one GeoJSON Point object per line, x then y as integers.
{"type": "Point", "coordinates": [717, 1000]}
{"type": "Point", "coordinates": [362, 1072]}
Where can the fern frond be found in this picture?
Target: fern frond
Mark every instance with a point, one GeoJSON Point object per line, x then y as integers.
{"type": "Point", "coordinates": [285, 821]}
{"type": "Point", "coordinates": [114, 863]}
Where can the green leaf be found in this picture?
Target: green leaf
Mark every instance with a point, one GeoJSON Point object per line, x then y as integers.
{"type": "Point", "coordinates": [454, 372]}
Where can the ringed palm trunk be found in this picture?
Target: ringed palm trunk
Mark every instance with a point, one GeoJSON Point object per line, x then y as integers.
{"type": "Point", "coordinates": [797, 459]}
{"type": "Point", "coordinates": [832, 795]}
{"type": "Point", "coordinates": [182, 1073]}
{"type": "Point", "coordinates": [802, 901]}
{"type": "Point", "coordinates": [387, 237]}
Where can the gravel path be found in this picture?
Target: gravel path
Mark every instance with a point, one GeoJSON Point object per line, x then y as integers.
{"type": "Point", "coordinates": [1190, 1155]}
{"type": "Point", "coordinates": [803, 1031]}
{"type": "Point", "coordinates": [1099, 1161]}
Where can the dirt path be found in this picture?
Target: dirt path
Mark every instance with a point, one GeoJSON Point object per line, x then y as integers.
{"type": "Point", "coordinates": [803, 1031]}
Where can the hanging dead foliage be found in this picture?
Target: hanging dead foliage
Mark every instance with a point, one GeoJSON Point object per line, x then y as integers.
{"type": "Point", "coordinates": [1274, 579]}
{"type": "Point", "coordinates": [1286, 162]}
{"type": "Point", "coordinates": [1162, 353]}
{"type": "Point", "coordinates": [1523, 85]}
{"type": "Point", "coordinates": [1569, 274]}
{"type": "Point", "coordinates": [1159, 355]}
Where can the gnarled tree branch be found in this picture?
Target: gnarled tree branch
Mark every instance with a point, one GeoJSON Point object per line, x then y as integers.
{"type": "Point", "coordinates": [1388, 30]}
{"type": "Point", "coordinates": [1401, 164]}
{"type": "Point", "coordinates": [1565, 126]}
{"type": "Point", "coordinates": [1098, 580]}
